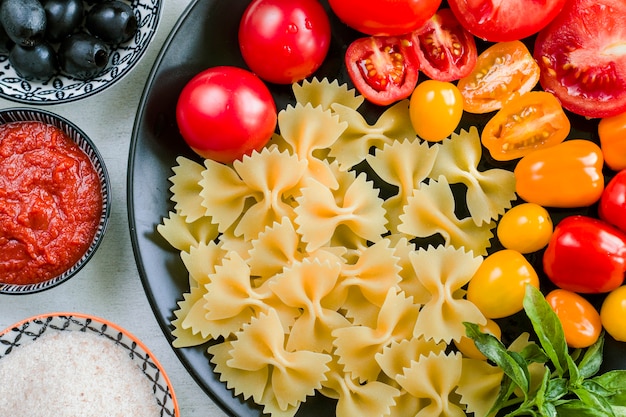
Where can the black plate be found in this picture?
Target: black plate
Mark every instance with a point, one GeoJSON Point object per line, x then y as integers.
{"type": "Point", "coordinates": [205, 36]}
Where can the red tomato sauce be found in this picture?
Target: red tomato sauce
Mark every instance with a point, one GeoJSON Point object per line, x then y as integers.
{"type": "Point", "coordinates": [50, 202]}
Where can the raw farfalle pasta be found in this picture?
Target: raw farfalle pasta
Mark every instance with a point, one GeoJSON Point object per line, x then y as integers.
{"type": "Point", "coordinates": [435, 378]}
{"type": "Point", "coordinates": [257, 364]}
{"type": "Point", "coordinates": [444, 271]}
{"type": "Point", "coordinates": [431, 210]}
{"type": "Point", "coordinates": [307, 276]}
{"type": "Point", "coordinates": [186, 189]}
{"type": "Point", "coordinates": [269, 178]}
{"type": "Point", "coordinates": [307, 130]}
{"type": "Point", "coordinates": [355, 205]}
{"type": "Point", "coordinates": [309, 286]}
{"type": "Point", "coordinates": [325, 93]}
{"type": "Point", "coordinates": [355, 142]}
{"type": "Point", "coordinates": [357, 346]}
{"type": "Point", "coordinates": [404, 164]}
{"type": "Point", "coordinates": [489, 192]}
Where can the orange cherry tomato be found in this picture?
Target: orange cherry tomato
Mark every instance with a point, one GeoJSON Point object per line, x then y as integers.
{"type": "Point", "coordinates": [566, 175]}
{"type": "Point", "coordinates": [498, 286]}
{"type": "Point", "coordinates": [524, 124]}
{"type": "Point", "coordinates": [579, 318]}
{"type": "Point", "coordinates": [612, 132]}
{"type": "Point", "coordinates": [502, 71]}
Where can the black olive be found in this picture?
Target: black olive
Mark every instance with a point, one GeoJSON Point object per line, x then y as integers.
{"type": "Point", "coordinates": [112, 21]}
{"type": "Point", "coordinates": [63, 18]}
{"type": "Point", "coordinates": [83, 56]}
{"type": "Point", "coordinates": [24, 21]}
{"type": "Point", "coordinates": [37, 62]}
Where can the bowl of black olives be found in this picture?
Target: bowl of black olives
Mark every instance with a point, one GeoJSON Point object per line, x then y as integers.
{"type": "Point", "coordinates": [55, 51]}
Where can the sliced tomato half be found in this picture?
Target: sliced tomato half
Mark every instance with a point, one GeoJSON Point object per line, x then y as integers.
{"type": "Point", "coordinates": [502, 72]}
{"type": "Point", "coordinates": [445, 50]}
{"type": "Point", "coordinates": [505, 20]}
{"type": "Point", "coordinates": [582, 57]}
{"type": "Point", "coordinates": [383, 68]}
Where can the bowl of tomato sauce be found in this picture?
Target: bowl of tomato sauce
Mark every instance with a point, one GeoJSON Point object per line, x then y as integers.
{"type": "Point", "coordinates": [54, 200]}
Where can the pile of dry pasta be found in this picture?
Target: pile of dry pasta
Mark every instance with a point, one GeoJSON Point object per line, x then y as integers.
{"type": "Point", "coordinates": [308, 279]}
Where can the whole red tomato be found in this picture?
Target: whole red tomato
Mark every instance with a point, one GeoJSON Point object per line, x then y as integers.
{"type": "Point", "coordinates": [284, 41]}
{"type": "Point", "coordinates": [586, 255]}
{"type": "Point", "coordinates": [612, 206]}
{"type": "Point", "coordinates": [225, 112]}
{"type": "Point", "coordinates": [384, 17]}
{"type": "Point", "coordinates": [501, 21]}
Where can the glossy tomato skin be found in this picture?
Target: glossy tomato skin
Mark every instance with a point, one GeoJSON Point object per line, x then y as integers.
{"type": "Point", "coordinates": [225, 112]}
{"type": "Point", "coordinates": [612, 313]}
{"type": "Point", "coordinates": [445, 50]}
{"type": "Point", "coordinates": [586, 255]}
{"type": "Point", "coordinates": [498, 286]}
{"type": "Point", "coordinates": [435, 100]}
{"type": "Point", "coordinates": [612, 133]}
{"type": "Point", "coordinates": [612, 207]}
{"type": "Point", "coordinates": [502, 21]}
{"type": "Point", "coordinates": [526, 228]}
{"type": "Point", "coordinates": [384, 17]}
{"type": "Point", "coordinates": [284, 41]}
{"type": "Point", "coordinates": [525, 124]}
{"type": "Point", "coordinates": [579, 318]}
{"type": "Point", "coordinates": [382, 68]}
{"type": "Point", "coordinates": [580, 57]}
{"type": "Point", "coordinates": [503, 71]}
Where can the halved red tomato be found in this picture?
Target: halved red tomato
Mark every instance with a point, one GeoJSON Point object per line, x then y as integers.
{"type": "Point", "coordinates": [384, 17]}
{"type": "Point", "coordinates": [502, 21]}
{"type": "Point", "coordinates": [582, 56]}
{"type": "Point", "coordinates": [382, 68]}
{"type": "Point", "coordinates": [525, 124]}
{"type": "Point", "coordinates": [503, 71]}
{"type": "Point", "coordinates": [445, 50]}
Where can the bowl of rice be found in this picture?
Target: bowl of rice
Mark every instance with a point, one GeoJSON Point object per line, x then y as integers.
{"type": "Point", "coordinates": [72, 364]}
{"type": "Point", "coordinates": [54, 200]}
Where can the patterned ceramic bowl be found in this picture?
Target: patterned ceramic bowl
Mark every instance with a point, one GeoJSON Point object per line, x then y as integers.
{"type": "Point", "coordinates": [61, 88]}
{"type": "Point", "coordinates": [88, 147]}
{"type": "Point", "coordinates": [92, 334]}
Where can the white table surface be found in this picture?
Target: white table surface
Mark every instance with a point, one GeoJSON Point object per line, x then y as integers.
{"type": "Point", "coordinates": [109, 286]}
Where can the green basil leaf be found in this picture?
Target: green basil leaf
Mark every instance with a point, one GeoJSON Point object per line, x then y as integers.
{"type": "Point", "coordinates": [548, 410]}
{"type": "Point", "coordinates": [595, 401]}
{"type": "Point", "coordinates": [512, 363]}
{"type": "Point", "coordinates": [590, 363]}
{"type": "Point", "coordinates": [534, 354]}
{"type": "Point", "coordinates": [540, 394]}
{"type": "Point", "coordinates": [577, 408]}
{"type": "Point", "coordinates": [612, 380]}
{"type": "Point", "coordinates": [557, 389]}
{"type": "Point", "coordinates": [619, 411]}
{"type": "Point", "coordinates": [547, 328]}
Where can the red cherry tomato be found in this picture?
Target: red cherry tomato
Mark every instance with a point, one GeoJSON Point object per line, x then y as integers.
{"type": "Point", "coordinates": [445, 50]}
{"type": "Point", "coordinates": [225, 112]}
{"type": "Point", "coordinates": [501, 21]}
{"type": "Point", "coordinates": [284, 41]}
{"type": "Point", "coordinates": [586, 255]}
{"type": "Point", "coordinates": [581, 59]}
{"type": "Point", "coordinates": [382, 68]}
{"type": "Point", "coordinates": [612, 208]}
{"type": "Point", "coordinates": [384, 17]}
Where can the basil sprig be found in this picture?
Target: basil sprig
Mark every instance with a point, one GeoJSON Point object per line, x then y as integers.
{"type": "Point", "coordinates": [570, 387]}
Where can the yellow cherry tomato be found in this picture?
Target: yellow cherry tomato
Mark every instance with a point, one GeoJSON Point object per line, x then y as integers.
{"type": "Point", "coordinates": [467, 346]}
{"type": "Point", "coordinates": [579, 318]}
{"type": "Point", "coordinates": [525, 228]}
{"type": "Point", "coordinates": [612, 313]}
{"type": "Point", "coordinates": [435, 109]}
{"type": "Point", "coordinates": [499, 284]}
